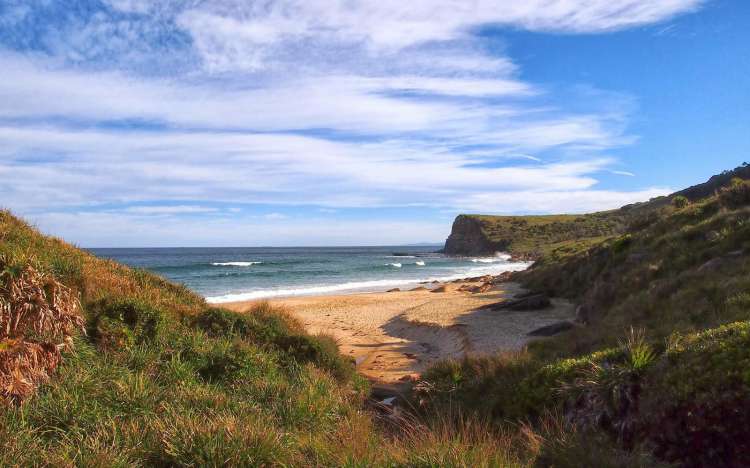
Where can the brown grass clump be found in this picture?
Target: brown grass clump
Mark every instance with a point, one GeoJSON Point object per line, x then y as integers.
{"type": "Point", "coordinates": [38, 317]}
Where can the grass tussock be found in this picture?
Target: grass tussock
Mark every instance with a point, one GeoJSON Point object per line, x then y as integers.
{"type": "Point", "coordinates": [38, 319]}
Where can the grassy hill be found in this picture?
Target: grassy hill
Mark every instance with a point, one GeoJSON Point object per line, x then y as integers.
{"type": "Point", "coordinates": [561, 235]}
{"type": "Point", "coordinates": [157, 377]}
{"type": "Point", "coordinates": [530, 236]}
{"type": "Point", "coordinates": [657, 365]}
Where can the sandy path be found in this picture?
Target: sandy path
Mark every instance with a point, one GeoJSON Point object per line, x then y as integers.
{"type": "Point", "coordinates": [394, 335]}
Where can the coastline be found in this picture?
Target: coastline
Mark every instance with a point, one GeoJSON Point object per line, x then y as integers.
{"type": "Point", "coordinates": [484, 267]}
{"type": "Point", "coordinates": [394, 336]}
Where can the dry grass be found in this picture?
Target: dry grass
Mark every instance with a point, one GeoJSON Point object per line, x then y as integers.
{"type": "Point", "coordinates": [38, 318]}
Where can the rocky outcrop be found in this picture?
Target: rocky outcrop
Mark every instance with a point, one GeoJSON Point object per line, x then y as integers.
{"type": "Point", "coordinates": [467, 238]}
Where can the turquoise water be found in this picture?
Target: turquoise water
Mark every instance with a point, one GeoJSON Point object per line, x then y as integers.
{"type": "Point", "coordinates": [234, 274]}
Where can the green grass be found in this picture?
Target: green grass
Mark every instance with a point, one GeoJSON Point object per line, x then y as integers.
{"type": "Point", "coordinates": [678, 389]}
{"type": "Point", "coordinates": [163, 379]}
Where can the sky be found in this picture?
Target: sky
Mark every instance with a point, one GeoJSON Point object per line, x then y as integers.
{"type": "Point", "coordinates": [133, 123]}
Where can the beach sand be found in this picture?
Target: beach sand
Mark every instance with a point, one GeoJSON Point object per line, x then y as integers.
{"type": "Point", "coordinates": [394, 336]}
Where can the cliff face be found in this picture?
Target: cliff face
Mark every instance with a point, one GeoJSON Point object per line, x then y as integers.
{"type": "Point", "coordinates": [468, 238]}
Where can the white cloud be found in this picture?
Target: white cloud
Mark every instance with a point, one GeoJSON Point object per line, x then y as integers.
{"type": "Point", "coordinates": [334, 103]}
{"type": "Point", "coordinates": [234, 34]}
{"type": "Point", "coordinates": [169, 209]}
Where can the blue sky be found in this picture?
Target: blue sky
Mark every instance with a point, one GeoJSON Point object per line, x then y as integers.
{"type": "Point", "coordinates": [320, 122]}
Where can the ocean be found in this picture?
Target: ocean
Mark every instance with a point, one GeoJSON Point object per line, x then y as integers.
{"type": "Point", "coordinates": [244, 273]}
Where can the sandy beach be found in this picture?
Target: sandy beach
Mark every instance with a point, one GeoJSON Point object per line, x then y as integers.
{"type": "Point", "coordinates": [394, 336]}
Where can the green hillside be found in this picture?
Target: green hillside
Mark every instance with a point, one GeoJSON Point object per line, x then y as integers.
{"type": "Point", "coordinates": [556, 236]}
{"type": "Point", "coordinates": [657, 364]}
{"type": "Point", "coordinates": [156, 377]}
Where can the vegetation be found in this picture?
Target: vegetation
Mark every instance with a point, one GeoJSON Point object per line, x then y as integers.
{"type": "Point", "coordinates": [658, 367]}
{"type": "Point", "coordinates": [139, 371]}
{"type": "Point", "coordinates": [531, 236]}
{"type": "Point", "coordinates": [152, 375]}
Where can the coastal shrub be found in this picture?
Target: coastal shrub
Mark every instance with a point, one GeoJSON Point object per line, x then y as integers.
{"type": "Point", "coordinates": [219, 322]}
{"type": "Point", "coordinates": [265, 326]}
{"type": "Point", "coordinates": [621, 244]}
{"type": "Point", "coordinates": [680, 201]}
{"type": "Point", "coordinates": [227, 361]}
{"type": "Point", "coordinates": [697, 399]}
{"type": "Point", "coordinates": [736, 194]}
{"type": "Point", "coordinates": [125, 321]}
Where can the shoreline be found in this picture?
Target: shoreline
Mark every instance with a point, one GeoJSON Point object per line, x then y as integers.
{"type": "Point", "coordinates": [394, 336]}
{"type": "Point", "coordinates": [369, 286]}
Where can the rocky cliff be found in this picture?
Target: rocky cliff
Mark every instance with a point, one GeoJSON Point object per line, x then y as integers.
{"type": "Point", "coordinates": [468, 238]}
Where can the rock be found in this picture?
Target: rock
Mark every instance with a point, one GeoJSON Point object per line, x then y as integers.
{"type": "Point", "coordinates": [419, 288]}
{"type": "Point", "coordinates": [486, 287]}
{"type": "Point", "coordinates": [388, 401]}
{"type": "Point", "coordinates": [713, 264]}
{"type": "Point", "coordinates": [394, 290]}
{"type": "Point", "coordinates": [436, 282]}
{"type": "Point", "coordinates": [636, 257]}
{"type": "Point", "coordinates": [468, 238]}
{"type": "Point", "coordinates": [712, 236]}
{"type": "Point", "coordinates": [409, 378]}
{"type": "Point", "coordinates": [525, 294]}
{"type": "Point", "coordinates": [582, 314]}
{"type": "Point", "coordinates": [534, 302]}
{"type": "Point", "coordinates": [552, 329]}
{"type": "Point", "coordinates": [440, 289]}
{"type": "Point", "coordinates": [482, 288]}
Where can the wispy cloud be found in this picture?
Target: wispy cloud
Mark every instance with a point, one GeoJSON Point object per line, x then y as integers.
{"type": "Point", "coordinates": [175, 106]}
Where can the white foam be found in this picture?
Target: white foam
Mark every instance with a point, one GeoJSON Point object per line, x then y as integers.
{"type": "Point", "coordinates": [498, 258]}
{"type": "Point", "coordinates": [419, 263]}
{"type": "Point", "coordinates": [362, 286]}
{"type": "Point", "coordinates": [394, 265]}
{"type": "Point", "coordinates": [236, 264]}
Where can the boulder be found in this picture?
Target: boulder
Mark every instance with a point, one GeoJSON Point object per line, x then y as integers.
{"type": "Point", "coordinates": [553, 329]}
{"type": "Point", "coordinates": [394, 290]}
{"type": "Point", "coordinates": [583, 315]}
{"type": "Point", "coordinates": [713, 236]}
{"type": "Point", "coordinates": [532, 302]}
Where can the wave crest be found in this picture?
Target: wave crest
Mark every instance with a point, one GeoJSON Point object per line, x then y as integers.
{"type": "Point", "coordinates": [236, 264]}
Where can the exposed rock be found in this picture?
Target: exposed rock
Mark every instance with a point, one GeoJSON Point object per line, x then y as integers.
{"type": "Point", "coordinates": [552, 329]}
{"type": "Point", "coordinates": [409, 378]}
{"type": "Point", "coordinates": [713, 264]}
{"type": "Point", "coordinates": [583, 315]}
{"type": "Point", "coordinates": [533, 302]}
{"type": "Point", "coordinates": [394, 290]}
{"type": "Point", "coordinates": [440, 289]}
{"type": "Point", "coordinates": [419, 288]}
{"type": "Point", "coordinates": [712, 236]}
{"type": "Point", "coordinates": [636, 257]}
{"type": "Point", "coordinates": [467, 238]}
